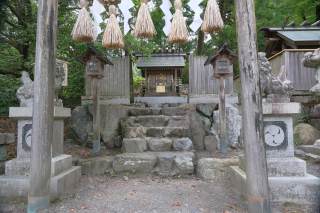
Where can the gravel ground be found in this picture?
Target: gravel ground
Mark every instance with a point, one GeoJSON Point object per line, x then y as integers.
{"type": "Point", "coordinates": [150, 194]}
{"type": "Point", "coordinates": [216, 153]}
{"type": "Point", "coordinates": [313, 168]}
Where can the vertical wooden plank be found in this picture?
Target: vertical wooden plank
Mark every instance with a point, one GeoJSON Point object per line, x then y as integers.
{"type": "Point", "coordinates": [190, 74]}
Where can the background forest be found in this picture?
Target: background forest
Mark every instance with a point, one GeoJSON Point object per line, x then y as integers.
{"type": "Point", "coordinates": [18, 33]}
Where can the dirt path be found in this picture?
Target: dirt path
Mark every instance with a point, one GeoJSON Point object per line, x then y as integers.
{"type": "Point", "coordinates": [150, 194]}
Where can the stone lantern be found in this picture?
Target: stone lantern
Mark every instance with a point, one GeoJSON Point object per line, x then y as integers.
{"type": "Point", "coordinates": [95, 63]}
{"type": "Point", "coordinates": [221, 62]}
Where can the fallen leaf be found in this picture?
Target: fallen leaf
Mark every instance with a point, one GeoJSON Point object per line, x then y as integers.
{"type": "Point", "coordinates": [72, 209]}
{"type": "Point", "coordinates": [212, 181]}
{"type": "Point", "coordinates": [147, 197]}
{"type": "Point", "coordinates": [177, 204]}
{"type": "Point", "coordinates": [198, 190]}
{"type": "Point", "coordinates": [169, 204]}
{"type": "Point", "coordinates": [99, 195]}
{"type": "Point", "coordinates": [62, 207]}
{"type": "Point", "coordinates": [191, 192]}
{"type": "Point", "coordinates": [199, 195]}
{"type": "Point", "coordinates": [197, 204]}
{"type": "Point", "coordinates": [180, 193]}
{"type": "Point", "coordinates": [125, 198]}
{"type": "Point", "coordinates": [159, 181]}
{"type": "Point", "coordinates": [212, 194]}
{"type": "Point", "coordinates": [194, 185]}
{"type": "Point", "coordinates": [231, 196]}
{"type": "Point", "coordinates": [226, 212]}
{"type": "Point", "coordinates": [168, 186]}
{"type": "Point", "coordinates": [188, 200]}
{"type": "Point", "coordinates": [131, 194]}
{"type": "Point", "coordinates": [212, 155]}
{"type": "Point", "coordinates": [103, 186]}
{"type": "Point", "coordinates": [232, 207]}
{"type": "Point", "coordinates": [144, 204]}
{"type": "Point", "coordinates": [134, 191]}
{"type": "Point", "coordinates": [202, 210]}
{"type": "Point", "coordinates": [197, 179]}
{"type": "Point", "coordinates": [83, 207]}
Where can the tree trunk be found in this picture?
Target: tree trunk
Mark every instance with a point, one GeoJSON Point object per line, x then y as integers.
{"type": "Point", "coordinates": [318, 11]}
{"type": "Point", "coordinates": [200, 43]}
{"type": "Point", "coordinates": [253, 131]}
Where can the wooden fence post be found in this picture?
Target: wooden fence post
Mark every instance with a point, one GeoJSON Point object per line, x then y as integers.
{"type": "Point", "coordinates": [43, 106]}
{"type": "Point", "coordinates": [256, 164]}
{"type": "Point", "coordinates": [96, 115]}
{"type": "Point", "coordinates": [222, 115]}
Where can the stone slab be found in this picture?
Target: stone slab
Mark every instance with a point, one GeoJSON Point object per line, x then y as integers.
{"type": "Point", "coordinates": [96, 166]}
{"type": "Point", "coordinates": [282, 189]}
{"type": "Point", "coordinates": [21, 166]}
{"type": "Point", "coordinates": [281, 108]}
{"type": "Point", "coordinates": [2, 167]}
{"type": "Point", "coordinates": [119, 101]}
{"type": "Point", "coordinates": [140, 162]}
{"type": "Point", "coordinates": [213, 98]}
{"type": "Point", "coordinates": [317, 143]}
{"type": "Point", "coordinates": [311, 149]}
{"type": "Point", "coordinates": [159, 144]}
{"type": "Point", "coordinates": [134, 145]}
{"type": "Point", "coordinates": [26, 112]}
{"type": "Point", "coordinates": [6, 138]}
{"type": "Point", "coordinates": [3, 152]}
{"type": "Point", "coordinates": [60, 164]}
{"type": "Point", "coordinates": [210, 143]}
{"type": "Point", "coordinates": [161, 99]}
{"type": "Point", "coordinates": [17, 186]}
{"type": "Point", "coordinates": [213, 168]}
{"type": "Point", "coordinates": [281, 167]}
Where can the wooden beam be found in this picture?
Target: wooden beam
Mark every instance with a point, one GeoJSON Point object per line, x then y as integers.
{"type": "Point", "coordinates": [42, 122]}
{"type": "Point", "coordinates": [275, 52]}
{"type": "Point", "coordinates": [252, 119]}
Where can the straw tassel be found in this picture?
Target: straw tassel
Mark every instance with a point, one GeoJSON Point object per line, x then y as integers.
{"type": "Point", "coordinates": [83, 30]}
{"type": "Point", "coordinates": [112, 37]}
{"type": "Point", "coordinates": [178, 31]}
{"type": "Point", "coordinates": [144, 27]}
{"type": "Point", "coordinates": [212, 22]}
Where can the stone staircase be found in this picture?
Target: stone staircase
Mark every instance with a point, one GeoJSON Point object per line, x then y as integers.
{"type": "Point", "coordinates": [156, 140]}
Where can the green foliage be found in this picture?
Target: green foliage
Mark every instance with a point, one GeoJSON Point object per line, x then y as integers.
{"type": "Point", "coordinates": [134, 171]}
{"type": "Point", "coordinates": [9, 85]}
{"type": "Point", "coordinates": [137, 80]}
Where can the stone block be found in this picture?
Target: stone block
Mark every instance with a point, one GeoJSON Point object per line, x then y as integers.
{"type": "Point", "coordinates": [136, 132]}
{"type": "Point", "coordinates": [280, 167]}
{"type": "Point", "coordinates": [96, 166]}
{"type": "Point", "coordinates": [18, 167]}
{"type": "Point", "coordinates": [17, 186]}
{"type": "Point", "coordinates": [196, 130]}
{"type": "Point", "coordinates": [172, 111]}
{"type": "Point", "coordinates": [165, 162]}
{"type": "Point", "coordinates": [299, 152]}
{"type": "Point", "coordinates": [185, 162]}
{"type": "Point", "coordinates": [315, 123]}
{"type": "Point", "coordinates": [176, 132]}
{"type": "Point", "coordinates": [3, 152]}
{"type": "Point", "coordinates": [139, 111]}
{"type": "Point", "coordinates": [60, 164]}
{"type": "Point", "coordinates": [282, 189]}
{"type": "Point", "coordinates": [134, 145]}
{"type": "Point", "coordinates": [178, 121]}
{"type": "Point", "coordinates": [317, 143]}
{"type": "Point", "coordinates": [281, 108]}
{"type": "Point", "coordinates": [210, 143]}
{"type": "Point", "coordinates": [213, 168]}
{"type": "Point", "coordinates": [156, 132]}
{"type": "Point", "coordinates": [159, 144]}
{"type": "Point", "coordinates": [118, 141]}
{"type": "Point", "coordinates": [205, 110]}
{"type": "Point", "coordinates": [311, 149]}
{"type": "Point", "coordinates": [26, 112]}
{"type": "Point", "coordinates": [140, 162]}
{"type": "Point", "coordinates": [152, 121]}
{"type": "Point", "coordinates": [2, 167]}
{"type": "Point", "coordinates": [306, 134]}
{"type": "Point", "coordinates": [183, 144]}
{"type": "Point", "coordinates": [6, 138]}
{"type": "Point", "coordinates": [313, 157]}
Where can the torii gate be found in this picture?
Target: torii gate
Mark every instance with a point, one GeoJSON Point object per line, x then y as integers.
{"type": "Point", "coordinates": [46, 43]}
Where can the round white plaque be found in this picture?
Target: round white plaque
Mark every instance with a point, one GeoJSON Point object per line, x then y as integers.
{"type": "Point", "coordinates": [274, 135]}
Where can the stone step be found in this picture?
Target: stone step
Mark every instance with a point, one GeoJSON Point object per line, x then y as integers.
{"type": "Point", "coordinates": [157, 132]}
{"type": "Point", "coordinates": [158, 121]}
{"type": "Point", "coordinates": [139, 145]}
{"type": "Point", "coordinates": [163, 163]}
{"type": "Point", "coordinates": [169, 111]}
{"type": "Point", "coordinates": [96, 166]}
{"type": "Point", "coordinates": [310, 149]}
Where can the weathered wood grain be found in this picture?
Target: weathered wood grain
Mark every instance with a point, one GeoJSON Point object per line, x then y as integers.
{"type": "Point", "coordinates": [256, 164]}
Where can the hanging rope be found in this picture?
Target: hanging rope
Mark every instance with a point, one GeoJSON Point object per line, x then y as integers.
{"type": "Point", "coordinates": [144, 27]}
{"type": "Point", "coordinates": [212, 22]}
{"type": "Point", "coordinates": [112, 37]}
{"type": "Point", "coordinates": [83, 30]}
{"type": "Point", "coordinates": [178, 31]}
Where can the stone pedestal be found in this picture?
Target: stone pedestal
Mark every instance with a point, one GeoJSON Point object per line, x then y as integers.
{"type": "Point", "coordinates": [5, 138]}
{"type": "Point", "coordinates": [63, 175]}
{"type": "Point", "coordinates": [288, 180]}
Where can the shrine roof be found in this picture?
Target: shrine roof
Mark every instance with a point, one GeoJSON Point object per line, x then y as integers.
{"type": "Point", "coordinates": [161, 60]}
{"type": "Point", "coordinates": [300, 35]}
{"type": "Point", "coordinates": [83, 58]}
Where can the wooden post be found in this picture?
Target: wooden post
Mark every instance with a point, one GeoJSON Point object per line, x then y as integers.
{"type": "Point", "coordinates": [256, 164]}
{"type": "Point", "coordinates": [222, 116]}
{"type": "Point", "coordinates": [96, 115]}
{"type": "Point", "coordinates": [43, 106]}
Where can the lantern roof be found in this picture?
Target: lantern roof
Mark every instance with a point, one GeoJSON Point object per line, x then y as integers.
{"type": "Point", "coordinates": [91, 50]}
{"type": "Point", "coordinates": [224, 49]}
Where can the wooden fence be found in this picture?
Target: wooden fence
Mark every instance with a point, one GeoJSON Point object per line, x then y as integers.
{"type": "Point", "coordinates": [199, 78]}
{"type": "Point", "coordinates": [117, 82]}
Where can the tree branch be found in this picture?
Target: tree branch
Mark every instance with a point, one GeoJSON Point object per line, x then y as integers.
{"type": "Point", "coordinates": [13, 10]}
{"type": "Point", "coordinates": [9, 41]}
{"type": "Point", "coordinates": [12, 24]}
